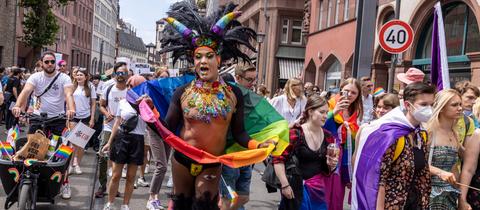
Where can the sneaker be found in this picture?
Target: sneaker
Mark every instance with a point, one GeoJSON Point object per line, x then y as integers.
{"type": "Point", "coordinates": [78, 170]}
{"type": "Point", "coordinates": [142, 182]}
{"type": "Point", "coordinates": [135, 185]}
{"type": "Point", "coordinates": [100, 192]}
{"type": "Point", "coordinates": [67, 192]}
{"type": "Point", "coordinates": [170, 182]}
{"type": "Point", "coordinates": [124, 207]}
{"type": "Point", "coordinates": [154, 205]}
{"type": "Point", "coordinates": [109, 172]}
{"type": "Point", "coordinates": [108, 206]}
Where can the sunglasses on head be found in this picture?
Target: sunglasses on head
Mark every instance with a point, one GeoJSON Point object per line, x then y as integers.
{"type": "Point", "coordinates": [49, 61]}
{"type": "Point", "coordinates": [121, 73]}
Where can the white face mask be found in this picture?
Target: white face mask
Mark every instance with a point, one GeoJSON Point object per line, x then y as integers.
{"type": "Point", "coordinates": [422, 113]}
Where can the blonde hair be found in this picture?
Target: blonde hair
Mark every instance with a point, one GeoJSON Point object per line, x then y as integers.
{"type": "Point", "coordinates": [441, 100]}
{"type": "Point", "coordinates": [476, 108]}
{"type": "Point", "coordinates": [288, 88]}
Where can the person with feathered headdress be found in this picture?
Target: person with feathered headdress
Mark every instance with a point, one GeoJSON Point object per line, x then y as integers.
{"type": "Point", "coordinates": [206, 108]}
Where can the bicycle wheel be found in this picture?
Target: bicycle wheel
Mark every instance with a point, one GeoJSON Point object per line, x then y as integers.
{"type": "Point", "coordinates": [25, 200]}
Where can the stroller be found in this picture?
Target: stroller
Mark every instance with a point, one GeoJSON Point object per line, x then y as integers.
{"type": "Point", "coordinates": [30, 182]}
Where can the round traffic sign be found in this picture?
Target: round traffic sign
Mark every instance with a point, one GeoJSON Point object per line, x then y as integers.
{"type": "Point", "coordinates": [396, 36]}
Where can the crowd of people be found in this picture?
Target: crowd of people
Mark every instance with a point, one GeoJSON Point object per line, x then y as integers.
{"type": "Point", "coordinates": [417, 148]}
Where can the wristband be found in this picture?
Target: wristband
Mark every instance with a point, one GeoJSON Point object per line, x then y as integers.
{"type": "Point", "coordinates": [252, 144]}
{"type": "Point", "coordinates": [285, 187]}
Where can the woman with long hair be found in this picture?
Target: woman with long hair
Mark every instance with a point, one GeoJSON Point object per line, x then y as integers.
{"type": "Point", "coordinates": [345, 110]}
{"type": "Point", "coordinates": [444, 149]}
{"type": "Point", "coordinates": [309, 144]}
{"type": "Point", "coordinates": [292, 103]}
{"type": "Point", "coordinates": [470, 199]}
{"type": "Point", "coordinates": [85, 103]}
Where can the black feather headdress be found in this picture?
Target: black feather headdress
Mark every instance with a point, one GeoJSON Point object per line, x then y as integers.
{"type": "Point", "coordinates": [188, 30]}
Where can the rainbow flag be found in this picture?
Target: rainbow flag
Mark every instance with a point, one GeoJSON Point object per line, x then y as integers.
{"type": "Point", "coordinates": [6, 148]}
{"type": "Point", "coordinates": [262, 121]}
{"type": "Point", "coordinates": [378, 91]}
{"type": "Point", "coordinates": [63, 152]}
{"type": "Point", "coordinates": [12, 135]}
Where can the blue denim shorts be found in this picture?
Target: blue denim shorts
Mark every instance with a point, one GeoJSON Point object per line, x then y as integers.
{"type": "Point", "coordinates": [237, 178]}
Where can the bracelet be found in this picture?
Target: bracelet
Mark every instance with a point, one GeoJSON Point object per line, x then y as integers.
{"type": "Point", "coordinates": [284, 187]}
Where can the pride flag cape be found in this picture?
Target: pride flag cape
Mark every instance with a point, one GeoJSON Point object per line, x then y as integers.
{"type": "Point", "coordinates": [375, 139]}
{"type": "Point", "coordinates": [234, 160]}
{"type": "Point", "coordinates": [262, 121]}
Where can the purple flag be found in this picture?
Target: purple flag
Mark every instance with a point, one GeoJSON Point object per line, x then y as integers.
{"type": "Point", "coordinates": [439, 67]}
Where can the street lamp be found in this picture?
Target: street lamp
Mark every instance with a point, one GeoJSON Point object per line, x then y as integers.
{"type": "Point", "coordinates": [260, 39]}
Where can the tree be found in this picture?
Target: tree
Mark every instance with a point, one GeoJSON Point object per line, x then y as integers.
{"type": "Point", "coordinates": [40, 26]}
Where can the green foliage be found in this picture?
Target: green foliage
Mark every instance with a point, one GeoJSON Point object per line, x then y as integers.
{"type": "Point", "coordinates": [40, 27]}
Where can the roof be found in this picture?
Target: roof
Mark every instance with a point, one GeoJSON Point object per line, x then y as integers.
{"type": "Point", "coordinates": [291, 52]}
{"type": "Point", "coordinates": [131, 42]}
{"type": "Point", "coordinates": [150, 45]}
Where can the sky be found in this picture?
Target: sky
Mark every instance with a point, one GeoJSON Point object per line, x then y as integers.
{"type": "Point", "coordinates": [143, 14]}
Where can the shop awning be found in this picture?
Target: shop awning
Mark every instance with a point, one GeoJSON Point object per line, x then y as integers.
{"type": "Point", "coordinates": [290, 68]}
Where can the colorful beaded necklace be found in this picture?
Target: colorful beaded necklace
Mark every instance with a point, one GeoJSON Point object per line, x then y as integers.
{"type": "Point", "coordinates": [209, 99]}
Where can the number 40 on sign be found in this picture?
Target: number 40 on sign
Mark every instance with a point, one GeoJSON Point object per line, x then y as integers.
{"type": "Point", "coordinates": [396, 36]}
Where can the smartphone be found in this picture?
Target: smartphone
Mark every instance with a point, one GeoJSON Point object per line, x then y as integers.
{"type": "Point", "coordinates": [344, 93]}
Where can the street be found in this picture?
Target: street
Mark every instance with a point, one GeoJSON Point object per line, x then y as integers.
{"type": "Point", "coordinates": [82, 186]}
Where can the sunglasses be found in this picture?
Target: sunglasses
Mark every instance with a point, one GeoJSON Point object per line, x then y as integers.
{"type": "Point", "coordinates": [49, 62]}
{"type": "Point", "coordinates": [249, 80]}
{"type": "Point", "coordinates": [121, 73]}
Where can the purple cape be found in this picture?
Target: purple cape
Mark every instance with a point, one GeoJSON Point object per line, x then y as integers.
{"type": "Point", "coordinates": [370, 160]}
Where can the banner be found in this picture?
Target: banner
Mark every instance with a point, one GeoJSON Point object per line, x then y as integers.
{"type": "Point", "coordinates": [80, 135]}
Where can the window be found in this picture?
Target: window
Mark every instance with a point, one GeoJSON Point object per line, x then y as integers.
{"type": "Point", "coordinates": [75, 9]}
{"type": "Point", "coordinates": [297, 32]}
{"type": "Point", "coordinates": [73, 31]}
{"type": "Point", "coordinates": [345, 11]}
{"type": "Point", "coordinates": [320, 15]}
{"type": "Point", "coordinates": [337, 8]}
{"type": "Point", "coordinates": [96, 25]}
{"type": "Point", "coordinates": [284, 37]}
{"type": "Point", "coordinates": [329, 13]}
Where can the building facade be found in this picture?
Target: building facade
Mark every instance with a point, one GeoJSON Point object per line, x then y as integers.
{"type": "Point", "coordinates": [82, 33]}
{"type": "Point", "coordinates": [331, 40]}
{"type": "Point", "coordinates": [151, 54]}
{"type": "Point", "coordinates": [104, 38]}
{"type": "Point", "coordinates": [7, 29]}
{"type": "Point", "coordinates": [281, 53]}
{"type": "Point", "coordinates": [129, 45]}
{"type": "Point", "coordinates": [162, 59]}
{"type": "Point", "coordinates": [63, 43]}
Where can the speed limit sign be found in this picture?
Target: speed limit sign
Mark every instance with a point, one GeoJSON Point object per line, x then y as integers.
{"type": "Point", "coordinates": [396, 36]}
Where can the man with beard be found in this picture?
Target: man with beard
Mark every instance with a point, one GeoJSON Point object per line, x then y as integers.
{"type": "Point", "coordinates": [109, 101]}
{"type": "Point", "coordinates": [48, 87]}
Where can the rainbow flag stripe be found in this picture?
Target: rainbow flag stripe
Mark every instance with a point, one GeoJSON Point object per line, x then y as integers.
{"type": "Point", "coordinates": [14, 172]}
{"type": "Point", "coordinates": [378, 91]}
{"type": "Point", "coordinates": [57, 176]}
{"type": "Point", "coordinates": [64, 152]}
{"type": "Point", "coordinates": [6, 149]}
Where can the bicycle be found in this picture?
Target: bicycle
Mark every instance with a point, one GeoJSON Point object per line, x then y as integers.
{"type": "Point", "coordinates": [47, 176]}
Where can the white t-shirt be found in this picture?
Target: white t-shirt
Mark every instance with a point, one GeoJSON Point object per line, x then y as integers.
{"type": "Point", "coordinates": [107, 84]}
{"type": "Point", "coordinates": [82, 102]}
{"type": "Point", "coordinates": [114, 97]}
{"type": "Point", "coordinates": [367, 109]}
{"type": "Point", "coordinates": [53, 101]}
{"type": "Point", "coordinates": [126, 111]}
{"type": "Point", "coordinates": [280, 103]}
